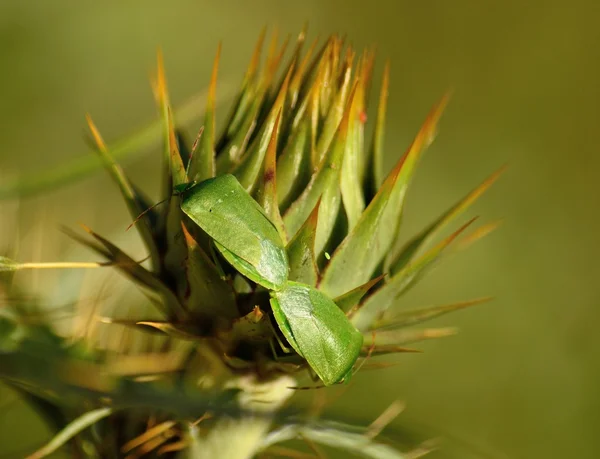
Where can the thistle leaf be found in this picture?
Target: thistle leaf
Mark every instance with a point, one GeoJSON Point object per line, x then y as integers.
{"type": "Point", "coordinates": [377, 155]}
{"type": "Point", "coordinates": [300, 75]}
{"type": "Point", "coordinates": [203, 162]}
{"type": "Point", "coordinates": [350, 300]}
{"type": "Point", "coordinates": [132, 200]}
{"type": "Point", "coordinates": [382, 299]}
{"type": "Point", "coordinates": [133, 270]}
{"type": "Point", "coordinates": [367, 244]}
{"type": "Point", "coordinates": [293, 165]}
{"type": "Point", "coordinates": [350, 178]}
{"type": "Point", "coordinates": [324, 184]}
{"type": "Point", "coordinates": [411, 249]}
{"type": "Point", "coordinates": [301, 251]}
{"type": "Point", "coordinates": [243, 99]}
{"type": "Point", "coordinates": [208, 293]}
{"type": "Point", "coordinates": [248, 170]}
{"type": "Point", "coordinates": [268, 191]}
{"type": "Point", "coordinates": [172, 154]}
{"type": "Point", "coordinates": [338, 110]}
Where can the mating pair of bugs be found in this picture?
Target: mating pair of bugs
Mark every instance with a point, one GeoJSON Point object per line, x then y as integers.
{"type": "Point", "coordinates": [311, 322]}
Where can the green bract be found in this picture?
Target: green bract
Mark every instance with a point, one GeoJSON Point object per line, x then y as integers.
{"type": "Point", "coordinates": [242, 232]}
{"type": "Point", "coordinates": [318, 330]}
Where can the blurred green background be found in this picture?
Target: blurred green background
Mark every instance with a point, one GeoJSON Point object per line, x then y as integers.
{"type": "Point", "coordinates": [522, 378]}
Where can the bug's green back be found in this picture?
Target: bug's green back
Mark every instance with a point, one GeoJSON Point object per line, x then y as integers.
{"type": "Point", "coordinates": [318, 329]}
{"type": "Point", "coordinates": [244, 234]}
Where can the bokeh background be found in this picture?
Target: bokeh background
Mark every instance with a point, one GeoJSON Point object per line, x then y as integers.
{"type": "Point", "coordinates": [522, 378]}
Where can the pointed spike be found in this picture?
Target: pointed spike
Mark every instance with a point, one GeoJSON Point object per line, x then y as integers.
{"type": "Point", "coordinates": [379, 224]}
{"type": "Point", "coordinates": [335, 115]}
{"type": "Point", "coordinates": [131, 197]}
{"type": "Point", "coordinates": [301, 251]}
{"type": "Point", "coordinates": [377, 303]}
{"type": "Point", "coordinates": [293, 165]}
{"type": "Point", "coordinates": [251, 164]}
{"type": "Point", "coordinates": [134, 271]}
{"type": "Point", "coordinates": [297, 80]}
{"type": "Point", "coordinates": [323, 184]}
{"type": "Point", "coordinates": [363, 246]}
{"type": "Point", "coordinates": [386, 349]}
{"type": "Point", "coordinates": [243, 102]}
{"type": "Point", "coordinates": [161, 79]}
{"type": "Point", "coordinates": [204, 160]}
{"type": "Point", "coordinates": [350, 300]}
{"type": "Point", "coordinates": [476, 235]}
{"type": "Point", "coordinates": [409, 318]}
{"type": "Point", "coordinates": [267, 194]}
{"type": "Point", "coordinates": [96, 134]}
{"type": "Point", "coordinates": [377, 152]}
{"type": "Point", "coordinates": [207, 295]}
{"type": "Point", "coordinates": [255, 60]}
{"type": "Point", "coordinates": [351, 177]}
{"type": "Point", "coordinates": [411, 249]}
{"type": "Point", "coordinates": [177, 168]}
{"type": "Point", "coordinates": [407, 336]}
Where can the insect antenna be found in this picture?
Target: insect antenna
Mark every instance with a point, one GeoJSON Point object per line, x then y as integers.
{"type": "Point", "coordinates": [182, 188]}
{"type": "Point", "coordinates": [137, 219]}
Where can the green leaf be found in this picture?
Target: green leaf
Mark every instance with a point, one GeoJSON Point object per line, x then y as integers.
{"type": "Point", "coordinates": [411, 249]}
{"type": "Point", "coordinates": [301, 251]}
{"type": "Point", "coordinates": [356, 259]}
{"type": "Point", "coordinates": [244, 234]}
{"type": "Point", "coordinates": [377, 303]}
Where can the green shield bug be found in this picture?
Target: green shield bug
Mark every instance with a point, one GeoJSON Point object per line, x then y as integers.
{"type": "Point", "coordinates": [310, 321]}
{"type": "Point", "coordinates": [318, 330]}
{"type": "Point", "coordinates": [242, 232]}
